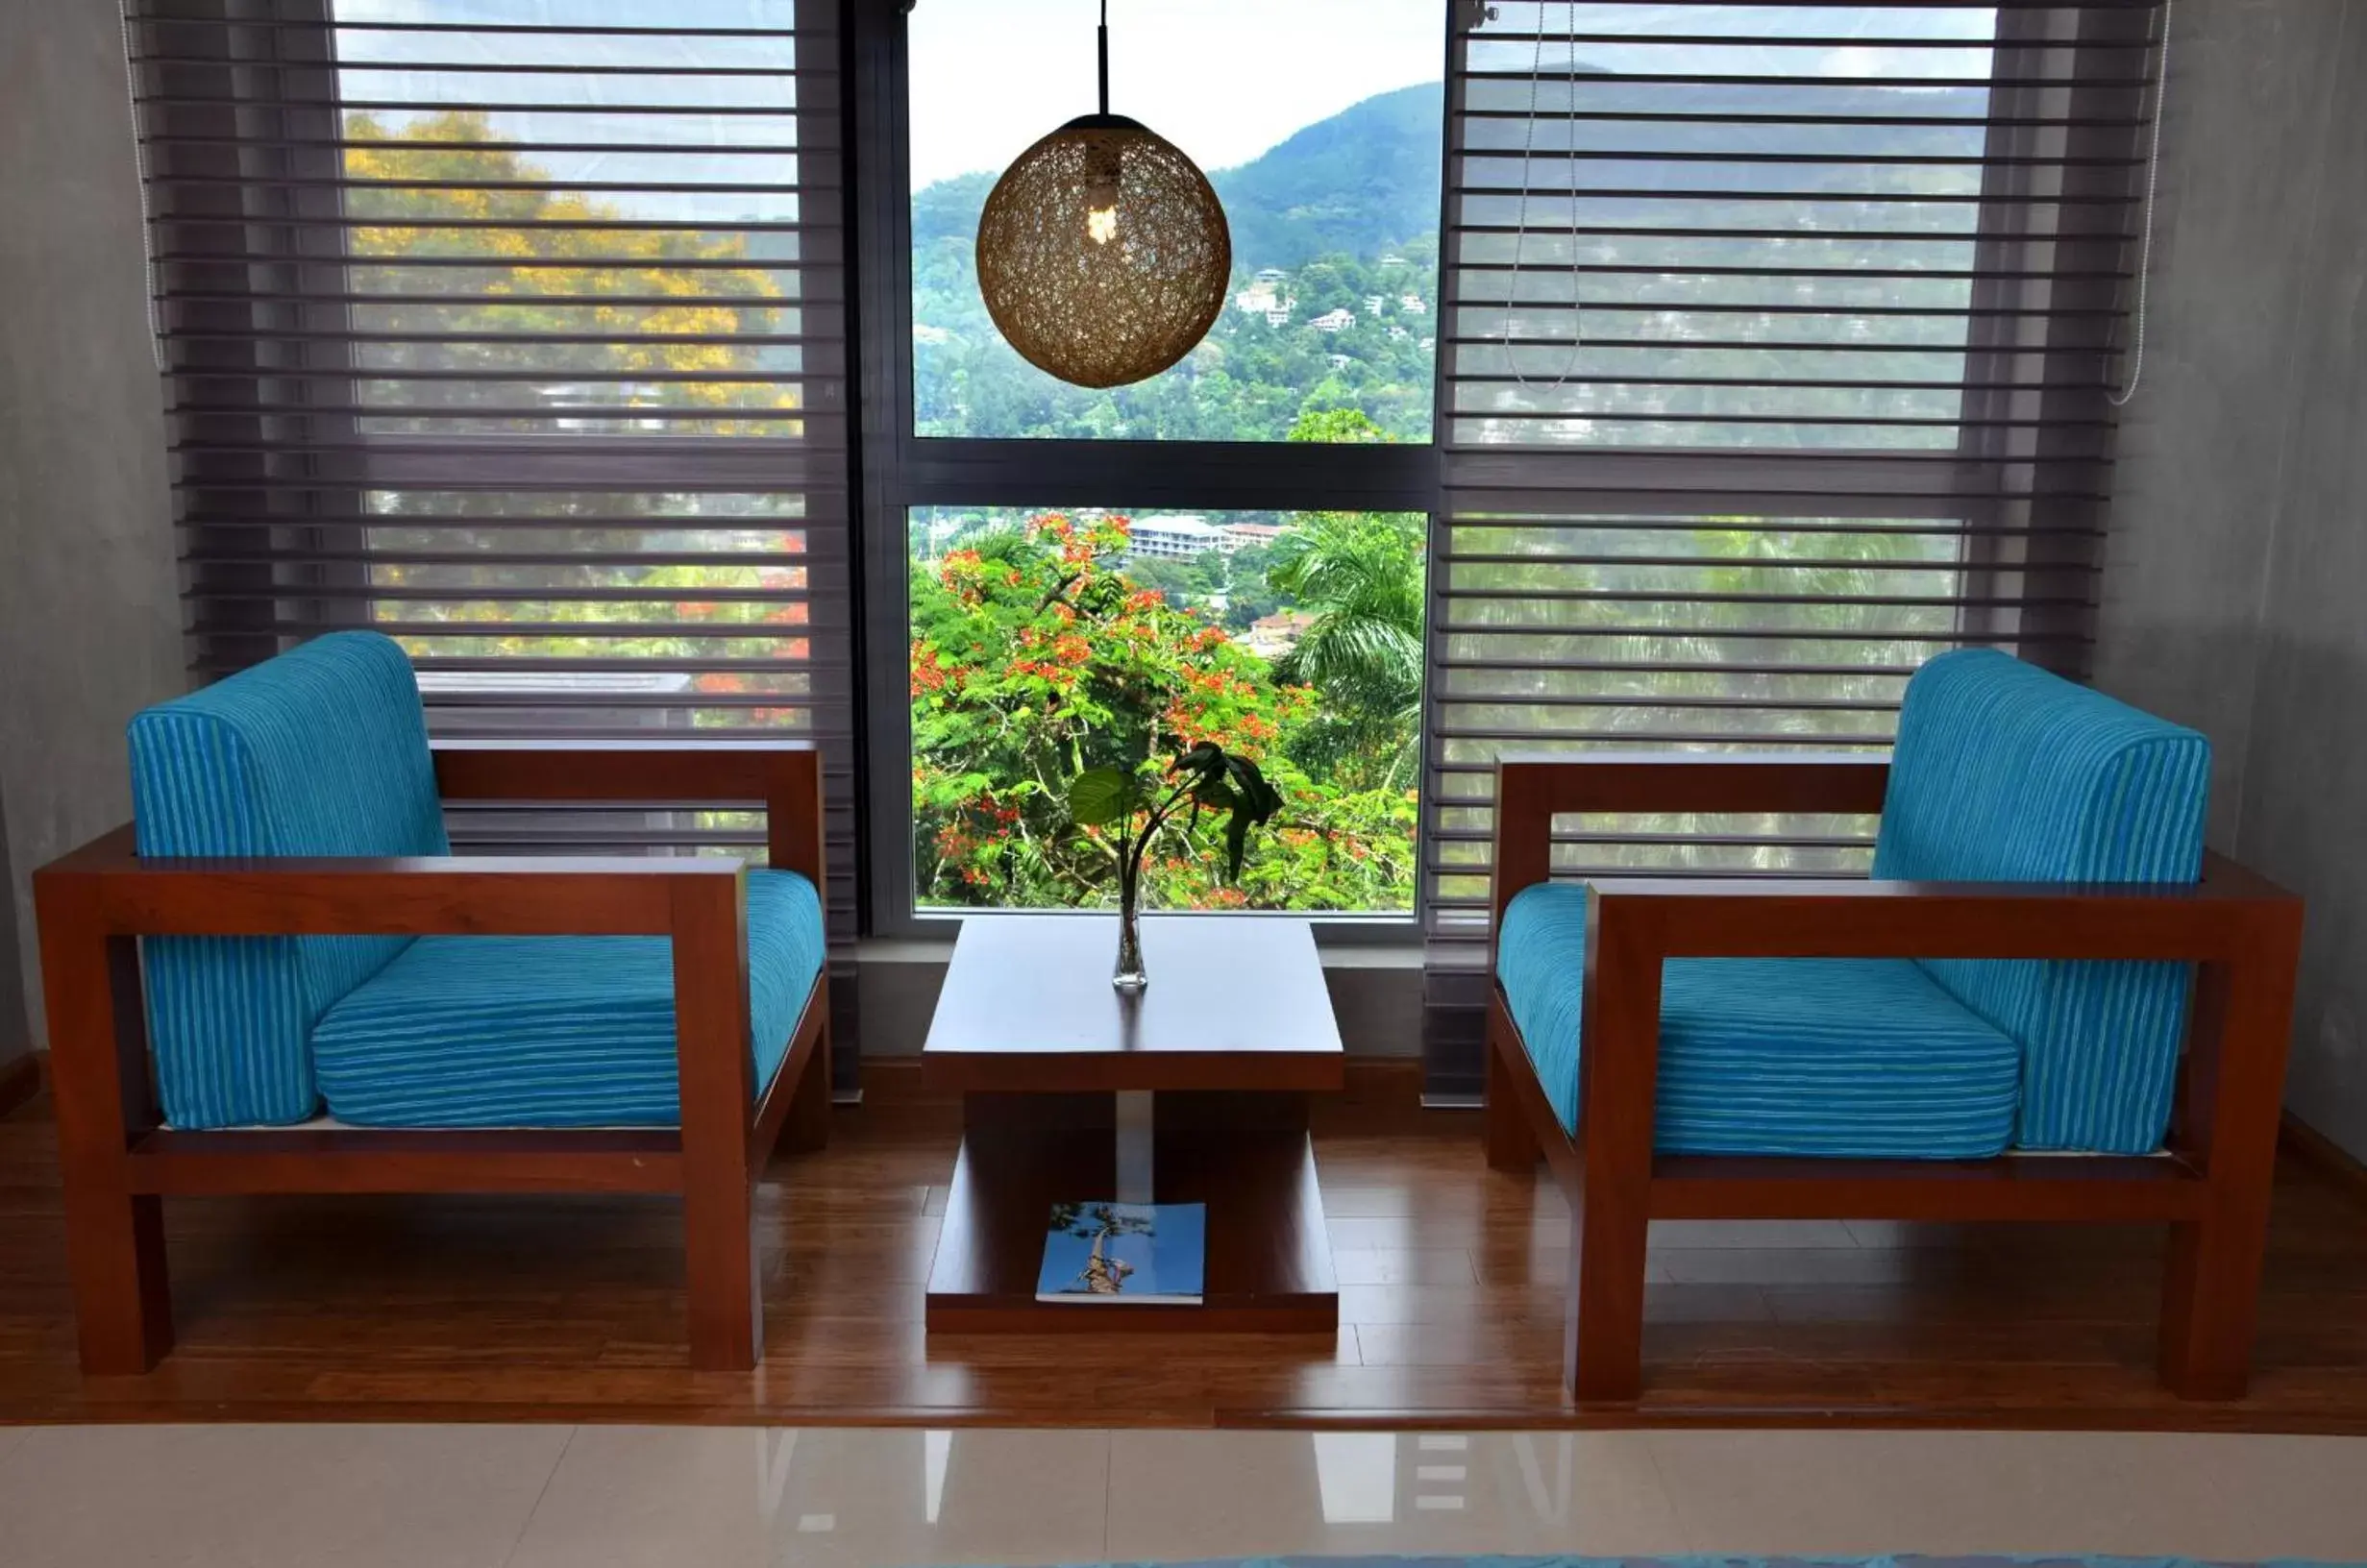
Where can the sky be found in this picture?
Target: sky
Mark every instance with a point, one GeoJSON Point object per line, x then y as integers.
{"type": "Point", "coordinates": [1224, 80]}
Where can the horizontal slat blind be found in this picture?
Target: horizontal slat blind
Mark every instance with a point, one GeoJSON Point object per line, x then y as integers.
{"type": "Point", "coordinates": [1777, 345]}
{"type": "Point", "coordinates": [516, 330]}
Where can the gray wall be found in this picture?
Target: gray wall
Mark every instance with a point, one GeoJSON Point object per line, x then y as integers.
{"type": "Point", "coordinates": [89, 622]}
{"type": "Point", "coordinates": [15, 1022]}
{"type": "Point", "coordinates": [2235, 584]}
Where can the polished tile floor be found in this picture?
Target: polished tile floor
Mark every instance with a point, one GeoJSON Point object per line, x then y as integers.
{"type": "Point", "coordinates": [593, 1496]}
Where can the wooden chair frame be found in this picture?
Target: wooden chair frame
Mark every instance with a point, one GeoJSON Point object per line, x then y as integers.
{"type": "Point", "coordinates": [119, 1162]}
{"type": "Point", "coordinates": [2213, 1188]}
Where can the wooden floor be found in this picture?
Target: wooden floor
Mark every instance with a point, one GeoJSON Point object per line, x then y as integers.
{"type": "Point", "coordinates": [570, 1309]}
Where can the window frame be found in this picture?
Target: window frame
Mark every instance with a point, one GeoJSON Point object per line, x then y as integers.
{"type": "Point", "coordinates": [271, 493]}
{"type": "Point", "coordinates": [246, 609]}
{"type": "Point", "coordinates": [898, 470]}
{"type": "Point", "coordinates": [1989, 476]}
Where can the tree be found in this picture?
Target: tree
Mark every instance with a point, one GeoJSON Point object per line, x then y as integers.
{"type": "Point", "coordinates": [1335, 424]}
{"type": "Point", "coordinates": [1359, 575]}
{"type": "Point", "coordinates": [442, 187]}
{"type": "Point", "coordinates": [1036, 657]}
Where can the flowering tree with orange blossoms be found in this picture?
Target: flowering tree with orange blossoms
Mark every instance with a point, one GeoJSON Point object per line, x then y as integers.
{"type": "Point", "coordinates": [1034, 657]}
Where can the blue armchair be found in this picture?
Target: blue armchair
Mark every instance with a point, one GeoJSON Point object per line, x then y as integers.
{"type": "Point", "coordinates": [2016, 979]}
{"type": "Point", "coordinates": [280, 980]}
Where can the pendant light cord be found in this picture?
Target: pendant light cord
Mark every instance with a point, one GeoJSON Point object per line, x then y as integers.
{"type": "Point", "coordinates": [1520, 224]}
{"type": "Point", "coordinates": [2153, 186]}
{"type": "Point", "coordinates": [1105, 57]}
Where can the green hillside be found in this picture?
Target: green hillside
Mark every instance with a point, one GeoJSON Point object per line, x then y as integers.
{"type": "Point", "coordinates": [1326, 206]}
{"type": "Point", "coordinates": [1357, 183]}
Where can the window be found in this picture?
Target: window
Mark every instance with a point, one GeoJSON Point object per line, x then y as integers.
{"type": "Point", "coordinates": [1694, 370]}
{"type": "Point", "coordinates": [1046, 640]}
{"type": "Point", "coordinates": [515, 331]}
{"type": "Point", "coordinates": [1244, 539]}
{"type": "Point", "coordinates": [523, 348]}
{"type": "Point", "coordinates": [1318, 122]}
{"type": "Point", "coordinates": [1777, 348]}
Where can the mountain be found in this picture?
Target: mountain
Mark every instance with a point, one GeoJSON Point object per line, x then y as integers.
{"type": "Point", "coordinates": [1358, 183]}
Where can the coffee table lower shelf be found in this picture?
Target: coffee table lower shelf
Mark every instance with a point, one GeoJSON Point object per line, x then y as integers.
{"type": "Point", "coordinates": [1269, 1265]}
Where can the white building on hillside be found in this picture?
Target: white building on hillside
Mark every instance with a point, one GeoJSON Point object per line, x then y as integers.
{"type": "Point", "coordinates": [1177, 538]}
{"type": "Point", "coordinates": [1263, 299]}
{"type": "Point", "coordinates": [1334, 321]}
{"type": "Point", "coordinates": [1410, 304]}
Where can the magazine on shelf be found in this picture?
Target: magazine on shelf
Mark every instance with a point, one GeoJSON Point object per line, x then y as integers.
{"type": "Point", "coordinates": [1144, 1253]}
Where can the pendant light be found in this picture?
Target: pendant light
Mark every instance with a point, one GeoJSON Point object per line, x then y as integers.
{"type": "Point", "coordinates": [1103, 254]}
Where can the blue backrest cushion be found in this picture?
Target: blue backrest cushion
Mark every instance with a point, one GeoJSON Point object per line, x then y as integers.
{"type": "Point", "coordinates": [2004, 773]}
{"type": "Point", "coordinates": [322, 750]}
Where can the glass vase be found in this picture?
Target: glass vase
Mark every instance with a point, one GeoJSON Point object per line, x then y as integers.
{"type": "Point", "coordinates": [1128, 974]}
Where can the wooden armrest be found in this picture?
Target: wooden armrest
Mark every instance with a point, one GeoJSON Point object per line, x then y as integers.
{"type": "Point", "coordinates": [1531, 791]}
{"type": "Point", "coordinates": [781, 776]}
{"type": "Point", "coordinates": [2218, 919]}
{"type": "Point", "coordinates": [292, 895]}
{"type": "Point", "coordinates": [1841, 782]}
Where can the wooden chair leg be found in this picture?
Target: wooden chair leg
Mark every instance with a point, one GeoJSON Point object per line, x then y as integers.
{"type": "Point", "coordinates": [98, 1086]}
{"type": "Point", "coordinates": [1602, 1345]}
{"type": "Point", "coordinates": [123, 1310]}
{"type": "Point", "coordinates": [808, 1129]}
{"type": "Point", "coordinates": [727, 1310]}
{"type": "Point", "coordinates": [1610, 1216]}
{"type": "Point", "coordinates": [1512, 1142]}
{"type": "Point", "coordinates": [719, 1186]}
{"type": "Point", "coordinates": [2210, 1304]}
{"type": "Point", "coordinates": [2232, 1094]}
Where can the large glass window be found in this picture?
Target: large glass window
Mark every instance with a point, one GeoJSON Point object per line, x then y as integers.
{"type": "Point", "coordinates": [1723, 225]}
{"type": "Point", "coordinates": [1318, 122]}
{"type": "Point", "coordinates": [582, 238]}
{"type": "Point", "coordinates": [1263, 603]}
{"type": "Point", "coordinates": [1045, 641]}
{"type": "Point", "coordinates": [561, 228]}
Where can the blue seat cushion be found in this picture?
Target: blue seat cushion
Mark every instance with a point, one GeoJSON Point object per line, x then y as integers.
{"type": "Point", "coordinates": [2004, 773]}
{"type": "Point", "coordinates": [552, 1031]}
{"type": "Point", "coordinates": [1857, 1058]}
{"type": "Point", "coordinates": [322, 750]}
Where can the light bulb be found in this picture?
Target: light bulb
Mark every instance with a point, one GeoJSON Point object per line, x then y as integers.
{"type": "Point", "coordinates": [1103, 179]}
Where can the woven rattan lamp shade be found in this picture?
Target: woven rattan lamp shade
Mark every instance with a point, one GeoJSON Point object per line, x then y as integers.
{"type": "Point", "coordinates": [1094, 312]}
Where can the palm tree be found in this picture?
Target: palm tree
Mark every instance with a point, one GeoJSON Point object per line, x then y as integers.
{"type": "Point", "coordinates": [1359, 575]}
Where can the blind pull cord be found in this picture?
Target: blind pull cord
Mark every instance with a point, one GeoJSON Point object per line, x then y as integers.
{"type": "Point", "coordinates": [1520, 222]}
{"type": "Point", "coordinates": [2153, 186]}
{"type": "Point", "coordinates": [140, 169]}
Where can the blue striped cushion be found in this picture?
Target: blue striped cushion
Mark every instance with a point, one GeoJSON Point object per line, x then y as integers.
{"type": "Point", "coordinates": [2007, 773]}
{"type": "Point", "coordinates": [1859, 1058]}
{"type": "Point", "coordinates": [320, 752]}
{"type": "Point", "coordinates": [550, 1031]}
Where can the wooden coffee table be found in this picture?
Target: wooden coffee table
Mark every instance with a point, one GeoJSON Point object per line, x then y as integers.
{"type": "Point", "coordinates": [1193, 1092]}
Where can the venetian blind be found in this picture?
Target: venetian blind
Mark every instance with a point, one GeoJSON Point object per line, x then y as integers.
{"type": "Point", "coordinates": [515, 329]}
{"type": "Point", "coordinates": [1779, 343]}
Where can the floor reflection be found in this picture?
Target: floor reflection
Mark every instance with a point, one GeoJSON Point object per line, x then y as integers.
{"type": "Point", "coordinates": [555, 1497]}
